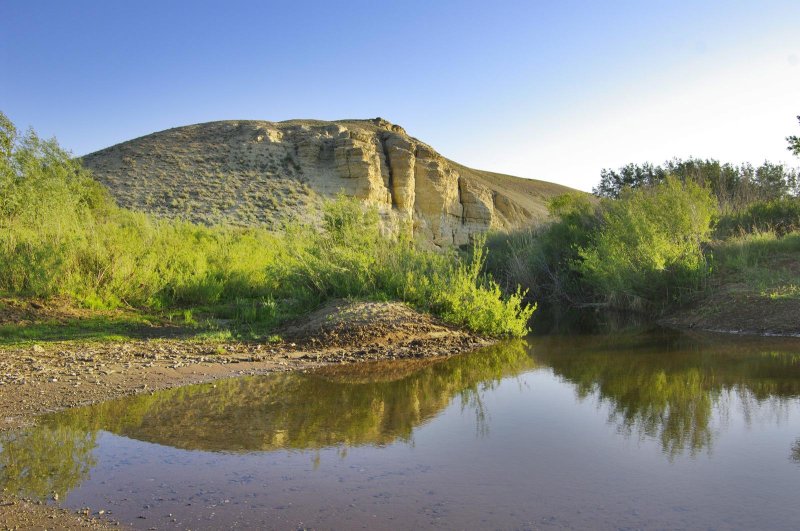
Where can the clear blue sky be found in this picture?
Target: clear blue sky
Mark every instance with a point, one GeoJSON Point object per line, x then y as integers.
{"type": "Point", "coordinates": [550, 90]}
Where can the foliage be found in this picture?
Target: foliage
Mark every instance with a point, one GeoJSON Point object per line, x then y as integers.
{"type": "Point", "coordinates": [62, 235]}
{"type": "Point", "coordinates": [761, 264]}
{"type": "Point", "coordinates": [643, 251]}
{"type": "Point", "coordinates": [753, 249]}
{"type": "Point", "coordinates": [794, 143]}
{"type": "Point", "coordinates": [351, 258]}
{"type": "Point", "coordinates": [542, 259]}
{"type": "Point", "coordinates": [781, 216]}
{"type": "Point", "coordinates": [734, 187]}
{"type": "Point", "coordinates": [648, 248]}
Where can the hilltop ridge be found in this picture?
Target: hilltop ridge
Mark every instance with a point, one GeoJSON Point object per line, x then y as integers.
{"type": "Point", "coordinates": [249, 172]}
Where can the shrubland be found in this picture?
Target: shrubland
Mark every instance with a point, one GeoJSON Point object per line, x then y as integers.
{"type": "Point", "coordinates": [655, 238]}
{"type": "Point", "coordinates": [642, 251]}
{"type": "Point", "coordinates": [61, 235]}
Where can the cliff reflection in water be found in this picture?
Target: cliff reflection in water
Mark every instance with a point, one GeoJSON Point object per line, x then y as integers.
{"type": "Point", "coordinates": [670, 387]}
{"type": "Point", "coordinates": [345, 406]}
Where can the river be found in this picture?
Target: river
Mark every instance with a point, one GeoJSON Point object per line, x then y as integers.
{"type": "Point", "coordinates": [642, 429]}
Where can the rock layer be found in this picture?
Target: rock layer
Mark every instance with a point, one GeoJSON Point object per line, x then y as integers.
{"type": "Point", "coordinates": [249, 172]}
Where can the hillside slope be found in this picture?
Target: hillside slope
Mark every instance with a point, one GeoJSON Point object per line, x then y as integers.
{"type": "Point", "coordinates": [257, 172]}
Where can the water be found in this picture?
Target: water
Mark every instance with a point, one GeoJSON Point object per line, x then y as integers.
{"type": "Point", "coordinates": [625, 431]}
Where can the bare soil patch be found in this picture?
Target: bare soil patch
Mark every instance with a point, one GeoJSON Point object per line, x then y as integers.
{"type": "Point", "coordinates": [741, 311]}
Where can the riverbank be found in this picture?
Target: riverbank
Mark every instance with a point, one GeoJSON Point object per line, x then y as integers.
{"type": "Point", "coordinates": [740, 313]}
{"type": "Point", "coordinates": [44, 377]}
{"type": "Point", "coordinates": [755, 289]}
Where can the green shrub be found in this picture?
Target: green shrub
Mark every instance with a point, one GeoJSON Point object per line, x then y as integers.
{"type": "Point", "coordinates": [542, 259]}
{"type": "Point", "coordinates": [351, 258]}
{"type": "Point", "coordinates": [648, 249]}
{"type": "Point", "coordinates": [469, 298]}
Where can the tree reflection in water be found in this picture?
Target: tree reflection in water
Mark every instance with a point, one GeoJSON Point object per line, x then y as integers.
{"type": "Point", "coordinates": [670, 386]}
{"type": "Point", "coordinates": [46, 461]}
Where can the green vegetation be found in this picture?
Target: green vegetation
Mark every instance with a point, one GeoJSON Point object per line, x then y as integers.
{"type": "Point", "coordinates": [642, 251]}
{"type": "Point", "coordinates": [733, 186]}
{"type": "Point", "coordinates": [661, 237]}
{"type": "Point", "coordinates": [648, 245]}
{"type": "Point", "coordinates": [780, 216]}
{"type": "Point", "coordinates": [99, 327]}
{"type": "Point", "coordinates": [543, 259]}
{"type": "Point", "coordinates": [61, 235]}
{"type": "Point", "coordinates": [762, 262]}
{"type": "Point", "coordinates": [794, 143]}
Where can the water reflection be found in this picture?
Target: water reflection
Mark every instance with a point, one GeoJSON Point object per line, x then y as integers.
{"type": "Point", "coordinates": [46, 462]}
{"type": "Point", "coordinates": [345, 406]}
{"type": "Point", "coordinates": [673, 388]}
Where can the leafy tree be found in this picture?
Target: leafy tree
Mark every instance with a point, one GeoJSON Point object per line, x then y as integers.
{"type": "Point", "coordinates": [734, 187]}
{"type": "Point", "coordinates": [794, 143]}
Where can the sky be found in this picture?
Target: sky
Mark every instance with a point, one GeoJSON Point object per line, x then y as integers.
{"type": "Point", "coordinates": [548, 90]}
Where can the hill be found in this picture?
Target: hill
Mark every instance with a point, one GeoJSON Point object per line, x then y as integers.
{"type": "Point", "coordinates": [258, 172]}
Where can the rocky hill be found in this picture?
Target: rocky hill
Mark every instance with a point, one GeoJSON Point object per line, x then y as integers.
{"type": "Point", "coordinates": [256, 172]}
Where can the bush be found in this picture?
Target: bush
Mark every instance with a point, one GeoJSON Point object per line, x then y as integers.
{"type": "Point", "coordinates": [648, 249]}
{"type": "Point", "coordinates": [542, 259]}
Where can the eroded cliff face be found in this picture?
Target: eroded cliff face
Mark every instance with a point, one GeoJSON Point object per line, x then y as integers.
{"type": "Point", "coordinates": [253, 172]}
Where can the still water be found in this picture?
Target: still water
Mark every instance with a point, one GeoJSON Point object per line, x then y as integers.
{"type": "Point", "coordinates": [626, 431]}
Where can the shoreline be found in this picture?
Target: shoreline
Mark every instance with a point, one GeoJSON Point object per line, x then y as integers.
{"type": "Point", "coordinates": [45, 378]}
{"type": "Point", "coordinates": [730, 331]}
{"type": "Point", "coordinates": [23, 513]}
{"type": "Point", "coordinates": [38, 380]}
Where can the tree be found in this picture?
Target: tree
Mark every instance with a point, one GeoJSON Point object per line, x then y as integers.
{"type": "Point", "coordinates": [794, 143]}
{"type": "Point", "coordinates": [734, 187]}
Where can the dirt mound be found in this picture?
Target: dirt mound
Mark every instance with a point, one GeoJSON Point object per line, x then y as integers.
{"type": "Point", "coordinates": [341, 322]}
